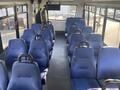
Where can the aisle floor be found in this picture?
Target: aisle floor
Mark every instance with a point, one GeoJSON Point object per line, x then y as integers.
{"type": "Point", "coordinates": [58, 77]}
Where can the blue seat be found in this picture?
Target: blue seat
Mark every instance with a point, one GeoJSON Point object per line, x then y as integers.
{"type": "Point", "coordinates": [83, 63]}
{"type": "Point", "coordinates": [3, 76]}
{"type": "Point", "coordinates": [95, 41]}
{"type": "Point", "coordinates": [84, 84]}
{"type": "Point", "coordinates": [83, 69]}
{"type": "Point", "coordinates": [73, 29]}
{"type": "Point", "coordinates": [74, 40]}
{"type": "Point", "coordinates": [36, 28]}
{"type": "Point", "coordinates": [87, 30]}
{"type": "Point", "coordinates": [45, 31]}
{"type": "Point", "coordinates": [109, 65]}
{"type": "Point", "coordinates": [15, 48]}
{"type": "Point", "coordinates": [46, 34]}
{"type": "Point", "coordinates": [38, 49]}
{"type": "Point", "coordinates": [70, 20]}
{"type": "Point", "coordinates": [28, 35]}
{"type": "Point", "coordinates": [51, 28]}
{"type": "Point", "coordinates": [25, 76]}
{"type": "Point", "coordinates": [74, 21]}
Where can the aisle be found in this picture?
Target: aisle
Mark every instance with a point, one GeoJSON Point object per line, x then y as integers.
{"type": "Point", "coordinates": [59, 75]}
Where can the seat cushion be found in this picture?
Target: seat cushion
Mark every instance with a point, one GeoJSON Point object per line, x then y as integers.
{"type": "Point", "coordinates": [84, 84]}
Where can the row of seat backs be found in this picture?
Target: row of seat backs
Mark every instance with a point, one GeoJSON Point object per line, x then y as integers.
{"type": "Point", "coordinates": [85, 65]}
{"type": "Point", "coordinates": [38, 50]}
{"type": "Point", "coordinates": [25, 75]}
{"type": "Point", "coordinates": [80, 22]}
{"type": "Point", "coordinates": [45, 31]}
{"type": "Point", "coordinates": [95, 41]}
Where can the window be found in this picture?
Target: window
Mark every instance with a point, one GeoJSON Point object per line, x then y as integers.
{"type": "Point", "coordinates": [86, 7]}
{"type": "Point", "coordinates": [24, 8]}
{"type": "Point", "coordinates": [19, 9]}
{"type": "Point", "coordinates": [117, 14]}
{"type": "Point", "coordinates": [110, 13]}
{"type": "Point", "coordinates": [65, 12]}
{"type": "Point", "coordinates": [93, 9]}
{"type": "Point", "coordinates": [2, 12]}
{"type": "Point", "coordinates": [112, 33]}
{"type": "Point", "coordinates": [102, 11]}
{"type": "Point", "coordinates": [98, 11]}
{"type": "Point", "coordinates": [90, 8]}
{"type": "Point", "coordinates": [10, 11]}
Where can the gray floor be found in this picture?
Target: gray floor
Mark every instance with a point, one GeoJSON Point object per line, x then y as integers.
{"type": "Point", "coordinates": [59, 75]}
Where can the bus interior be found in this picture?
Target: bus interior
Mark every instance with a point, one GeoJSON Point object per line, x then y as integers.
{"type": "Point", "coordinates": [59, 44]}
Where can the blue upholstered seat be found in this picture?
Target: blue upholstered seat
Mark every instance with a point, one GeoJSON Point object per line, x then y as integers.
{"type": "Point", "coordinates": [15, 48]}
{"type": "Point", "coordinates": [84, 84]}
{"type": "Point", "coordinates": [36, 28]}
{"type": "Point", "coordinates": [25, 76]}
{"type": "Point", "coordinates": [28, 35]}
{"type": "Point", "coordinates": [109, 65]}
{"type": "Point", "coordinates": [38, 49]}
{"type": "Point", "coordinates": [74, 40]}
{"type": "Point", "coordinates": [77, 21]}
{"type": "Point", "coordinates": [83, 69]}
{"type": "Point", "coordinates": [95, 40]}
{"type": "Point", "coordinates": [3, 76]}
{"type": "Point", "coordinates": [83, 63]}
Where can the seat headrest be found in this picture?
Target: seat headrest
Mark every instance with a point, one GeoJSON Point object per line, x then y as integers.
{"type": "Point", "coordinates": [76, 38]}
{"type": "Point", "coordinates": [83, 44]}
{"type": "Point", "coordinates": [84, 52]}
{"type": "Point", "coordinates": [38, 36]}
{"type": "Point", "coordinates": [36, 28]}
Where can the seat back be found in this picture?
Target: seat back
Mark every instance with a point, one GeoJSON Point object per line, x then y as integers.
{"type": "Point", "coordinates": [38, 49]}
{"type": "Point", "coordinates": [46, 34]}
{"type": "Point", "coordinates": [15, 48]}
{"type": "Point", "coordinates": [36, 28]}
{"type": "Point", "coordinates": [74, 40]}
{"type": "Point", "coordinates": [28, 35]}
{"type": "Point", "coordinates": [51, 28]}
{"type": "Point", "coordinates": [95, 41]}
{"type": "Point", "coordinates": [77, 21]}
{"type": "Point", "coordinates": [87, 30]}
{"type": "Point", "coordinates": [83, 63]}
{"type": "Point", "coordinates": [3, 77]}
{"type": "Point", "coordinates": [73, 29]}
{"type": "Point", "coordinates": [109, 63]}
{"type": "Point", "coordinates": [25, 76]}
